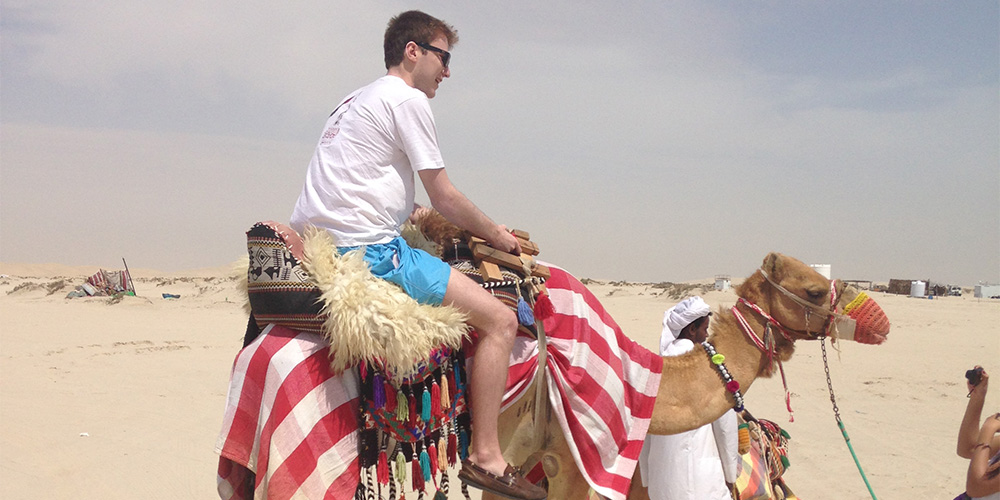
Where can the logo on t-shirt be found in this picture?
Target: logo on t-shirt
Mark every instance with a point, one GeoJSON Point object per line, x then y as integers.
{"type": "Point", "coordinates": [329, 134]}
{"type": "Point", "coordinates": [332, 132]}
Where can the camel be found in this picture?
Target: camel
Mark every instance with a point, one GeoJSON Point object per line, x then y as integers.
{"type": "Point", "coordinates": [691, 391]}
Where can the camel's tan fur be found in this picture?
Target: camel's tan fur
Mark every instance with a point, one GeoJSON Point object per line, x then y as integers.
{"type": "Point", "coordinates": [436, 228]}
{"type": "Point", "coordinates": [691, 392]}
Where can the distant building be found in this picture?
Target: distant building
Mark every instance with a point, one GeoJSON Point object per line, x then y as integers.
{"type": "Point", "coordinates": [987, 291]}
{"type": "Point", "coordinates": [900, 287]}
{"type": "Point", "coordinates": [824, 269]}
{"type": "Point", "coordinates": [862, 284]}
{"type": "Point", "coordinates": [722, 282]}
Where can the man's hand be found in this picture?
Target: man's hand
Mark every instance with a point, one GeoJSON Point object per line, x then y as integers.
{"type": "Point", "coordinates": [505, 241]}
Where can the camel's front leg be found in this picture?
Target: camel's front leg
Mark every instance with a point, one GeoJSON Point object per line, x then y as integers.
{"type": "Point", "coordinates": [564, 477]}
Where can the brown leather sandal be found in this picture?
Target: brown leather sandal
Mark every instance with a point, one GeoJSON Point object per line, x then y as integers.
{"type": "Point", "coordinates": [510, 485]}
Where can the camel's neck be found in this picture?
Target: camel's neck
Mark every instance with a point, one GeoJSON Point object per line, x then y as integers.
{"type": "Point", "coordinates": [692, 392]}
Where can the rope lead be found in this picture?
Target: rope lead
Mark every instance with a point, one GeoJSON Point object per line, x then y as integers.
{"type": "Point", "coordinates": [840, 423]}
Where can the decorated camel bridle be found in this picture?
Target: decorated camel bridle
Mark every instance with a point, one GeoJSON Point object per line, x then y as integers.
{"type": "Point", "coordinates": [767, 344]}
{"type": "Point", "coordinates": [837, 325]}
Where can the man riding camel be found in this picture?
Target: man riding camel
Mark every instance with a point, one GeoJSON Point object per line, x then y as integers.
{"type": "Point", "coordinates": [360, 188]}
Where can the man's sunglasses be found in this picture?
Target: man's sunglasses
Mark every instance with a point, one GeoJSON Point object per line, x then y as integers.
{"type": "Point", "coordinates": [445, 55]}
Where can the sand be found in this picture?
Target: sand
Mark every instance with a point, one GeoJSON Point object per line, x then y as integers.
{"type": "Point", "coordinates": [124, 399]}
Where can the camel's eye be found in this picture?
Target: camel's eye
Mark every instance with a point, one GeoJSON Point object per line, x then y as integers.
{"type": "Point", "coordinates": [815, 294]}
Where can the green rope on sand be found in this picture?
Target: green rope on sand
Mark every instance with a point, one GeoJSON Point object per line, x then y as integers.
{"type": "Point", "coordinates": [847, 439]}
{"type": "Point", "coordinates": [840, 423]}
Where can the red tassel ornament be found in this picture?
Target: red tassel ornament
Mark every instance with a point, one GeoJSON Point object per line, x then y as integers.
{"type": "Point", "coordinates": [452, 449]}
{"type": "Point", "coordinates": [543, 307]}
{"type": "Point", "coordinates": [382, 468]}
{"type": "Point", "coordinates": [413, 411]}
{"type": "Point", "coordinates": [418, 475]}
{"type": "Point", "coordinates": [432, 454]}
{"type": "Point", "coordinates": [390, 398]}
{"type": "Point", "coordinates": [436, 409]}
{"type": "Point", "coordinates": [452, 388]}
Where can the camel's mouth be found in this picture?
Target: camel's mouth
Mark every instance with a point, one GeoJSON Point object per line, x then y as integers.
{"type": "Point", "coordinates": [871, 323]}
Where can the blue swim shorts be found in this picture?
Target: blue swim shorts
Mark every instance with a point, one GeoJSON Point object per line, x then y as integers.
{"type": "Point", "coordinates": [421, 275]}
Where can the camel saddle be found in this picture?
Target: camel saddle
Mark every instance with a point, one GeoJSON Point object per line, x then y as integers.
{"type": "Point", "coordinates": [422, 407]}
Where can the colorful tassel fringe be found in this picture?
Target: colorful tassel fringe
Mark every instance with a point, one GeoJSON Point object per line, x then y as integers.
{"type": "Point", "coordinates": [524, 314]}
{"type": "Point", "coordinates": [432, 454]}
{"type": "Point", "coordinates": [463, 444]}
{"type": "Point", "coordinates": [382, 469]}
{"type": "Point", "coordinates": [442, 449]}
{"type": "Point", "coordinates": [390, 402]}
{"type": "Point", "coordinates": [379, 391]}
{"type": "Point", "coordinates": [445, 397]}
{"type": "Point", "coordinates": [400, 469]}
{"type": "Point", "coordinates": [425, 406]}
{"type": "Point", "coordinates": [436, 408]}
{"type": "Point", "coordinates": [402, 408]}
{"type": "Point", "coordinates": [452, 449]}
{"type": "Point", "coordinates": [425, 465]}
{"type": "Point", "coordinates": [418, 475]}
{"type": "Point", "coordinates": [412, 404]}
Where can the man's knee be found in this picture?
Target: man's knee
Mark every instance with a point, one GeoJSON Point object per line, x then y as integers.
{"type": "Point", "coordinates": [503, 321]}
{"type": "Point", "coordinates": [509, 322]}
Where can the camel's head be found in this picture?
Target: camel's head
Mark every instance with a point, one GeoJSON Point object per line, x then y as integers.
{"type": "Point", "coordinates": [807, 305]}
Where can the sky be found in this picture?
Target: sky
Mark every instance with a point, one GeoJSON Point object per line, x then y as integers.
{"type": "Point", "coordinates": [643, 141]}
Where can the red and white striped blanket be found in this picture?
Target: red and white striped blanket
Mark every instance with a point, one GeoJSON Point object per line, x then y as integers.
{"type": "Point", "coordinates": [292, 423]}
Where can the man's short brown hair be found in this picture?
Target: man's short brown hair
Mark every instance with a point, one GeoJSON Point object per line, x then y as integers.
{"type": "Point", "coordinates": [413, 26]}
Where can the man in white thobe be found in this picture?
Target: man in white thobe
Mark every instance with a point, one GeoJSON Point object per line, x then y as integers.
{"type": "Point", "coordinates": [700, 464]}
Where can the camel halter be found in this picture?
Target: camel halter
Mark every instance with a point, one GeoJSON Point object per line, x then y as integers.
{"type": "Point", "coordinates": [767, 344]}
{"type": "Point", "coordinates": [861, 321]}
{"type": "Point", "coordinates": [843, 327]}
{"type": "Point", "coordinates": [831, 313]}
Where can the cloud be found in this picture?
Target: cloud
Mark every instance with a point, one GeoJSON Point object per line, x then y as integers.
{"type": "Point", "coordinates": [657, 141]}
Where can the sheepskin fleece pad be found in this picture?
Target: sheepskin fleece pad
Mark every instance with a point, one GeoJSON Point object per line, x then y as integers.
{"type": "Point", "coordinates": [370, 319]}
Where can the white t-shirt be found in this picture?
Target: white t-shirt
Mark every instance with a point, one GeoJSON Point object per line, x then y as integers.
{"type": "Point", "coordinates": [359, 185]}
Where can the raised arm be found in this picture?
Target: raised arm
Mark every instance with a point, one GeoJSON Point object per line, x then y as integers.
{"type": "Point", "coordinates": [982, 479]}
{"type": "Point", "coordinates": [458, 209]}
{"type": "Point", "coordinates": [968, 433]}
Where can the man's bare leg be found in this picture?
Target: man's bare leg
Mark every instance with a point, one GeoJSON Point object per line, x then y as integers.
{"type": "Point", "coordinates": [497, 327]}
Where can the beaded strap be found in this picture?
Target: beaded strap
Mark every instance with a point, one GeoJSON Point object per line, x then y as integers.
{"type": "Point", "coordinates": [732, 385]}
{"type": "Point", "coordinates": [534, 280]}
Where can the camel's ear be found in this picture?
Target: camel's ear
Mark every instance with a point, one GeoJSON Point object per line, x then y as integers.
{"type": "Point", "coordinates": [771, 264]}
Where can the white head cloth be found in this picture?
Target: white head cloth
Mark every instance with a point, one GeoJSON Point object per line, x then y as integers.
{"type": "Point", "coordinates": [679, 316]}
